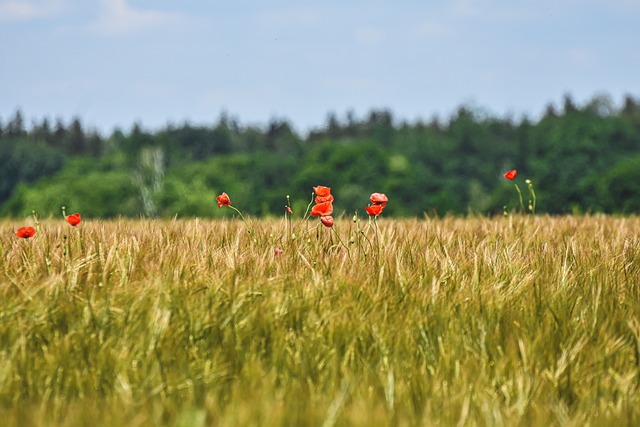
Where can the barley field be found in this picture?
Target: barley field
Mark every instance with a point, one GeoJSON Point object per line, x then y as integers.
{"type": "Point", "coordinates": [455, 322]}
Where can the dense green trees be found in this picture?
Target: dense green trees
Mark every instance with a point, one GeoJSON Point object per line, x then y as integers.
{"type": "Point", "coordinates": [581, 159]}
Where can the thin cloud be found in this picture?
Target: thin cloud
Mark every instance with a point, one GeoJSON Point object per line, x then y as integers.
{"type": "Point", "coordinates": [118, 18]}
{"type": "Point", "coordinates": [27, 10]}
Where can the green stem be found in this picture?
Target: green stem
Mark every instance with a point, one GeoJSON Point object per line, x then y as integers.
{"type": "Point", "coordinates": [305, 232]}
{"type": "Point", "coordinates": [375, 222]}
{"type": "Point", "coordinates": [520, 196]}
{"type": "Point", "coordinates": [342, 243]}
{"type": "Point", "coordinates": [287, 218]}
{"type": "Point", "coordinates": [368, 241]}
{"type": "Point", "coordinates": [307, 212]}
{"type": "Point", "coordinates": [242, 217]}
{"type": "Point", "coordinates": [533, 196]}
{"type": "Point", "coordinates": [367, 226]}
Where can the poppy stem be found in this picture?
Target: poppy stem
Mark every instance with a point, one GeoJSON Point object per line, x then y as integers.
{"type": "Point", "coordinates": [520, 196]}
{"type": "Point", "coordinates": [532, 200]}
{"type": "Point", "coordinates": [306, 213]}
{"type": "Point", "coordinates": [308, 230]}
{"type": "Point", "coordinates": [363, 232]}
{"type": "Point", "coordinates": [287, 216]}
{"type": "Point", "coordinates": [342, 243]}
{"type": "Point", "coordinates": [368, 241]}
{"type": "Point", "coordinates": [375, 222]}
{"type": "Point", "coordinates": [242, 217]}
{"type": "Point", "coordinates": [65, 248]}
{"type": "Point", "coordinates": [367, 227]}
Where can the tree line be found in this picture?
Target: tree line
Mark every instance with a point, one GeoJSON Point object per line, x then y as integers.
{"type": "Point", "coordinates": [580, 158]}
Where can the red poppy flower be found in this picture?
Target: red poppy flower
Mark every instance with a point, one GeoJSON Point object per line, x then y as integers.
{"type": "Point", "coordinates": [327, 220]}
{"type": "Point", "coordinates": [511, 174]}
{"type": "Point", "coordinates": [374, 210]}
{"type": "Point", "coordinates": [223, 200]}
{"type": "Point", "coordinates": [26, 232]}
{"type": "Point", "coordinates": [379, 199]}
{"type": "Point", "coordinates": [73, 219]}
{"type": "Point", "coordinates": [288, 209]}
{"type": "Point", "coordinates": [279, 251]}
{"type": "Point", "coordinates": [322, 199]}
{"type": "Point", "coordinates": [322, 191]}
{"type": "Point", "coordinates": [322, 209]}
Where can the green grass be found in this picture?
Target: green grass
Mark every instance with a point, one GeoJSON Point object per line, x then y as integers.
{"type": "Point", "coordinates": [479, 321]}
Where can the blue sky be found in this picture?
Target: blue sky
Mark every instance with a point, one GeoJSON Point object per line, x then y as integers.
{"type": "Point", "coordinates": [116, 62]}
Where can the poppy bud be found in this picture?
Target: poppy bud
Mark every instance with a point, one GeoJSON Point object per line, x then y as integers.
{"type": "Point", "coordinates": [327, 221]}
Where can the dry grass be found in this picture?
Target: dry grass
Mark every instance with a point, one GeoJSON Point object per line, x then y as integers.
{"type": "Point", "coordinates": [518, 321]}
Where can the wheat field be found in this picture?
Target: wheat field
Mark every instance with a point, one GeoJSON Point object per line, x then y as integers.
{"type": "Point", "coordinates": [453, 321]}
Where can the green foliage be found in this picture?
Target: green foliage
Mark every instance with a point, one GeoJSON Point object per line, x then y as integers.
{"type": "Point", "coordinates": [81, 188]}
{"type": "Point", "coordinates": [25, 160]}
{"type": "Point", "coordinates": [622, 183]}
{"type": "Point", "coordinates": [354, 169]}
{"type": "Point", "coordinates": [579, 160]}
{"type": "Point", "coordinates": [186, 199]}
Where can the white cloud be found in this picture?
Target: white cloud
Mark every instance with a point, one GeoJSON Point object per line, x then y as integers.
{"type": "Point", "coordinates": [118, 18]}
{"type": "Point", "coordinates": [26, 10]}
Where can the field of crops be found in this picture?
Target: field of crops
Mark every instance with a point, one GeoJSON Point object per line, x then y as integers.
{"type": "Point", "coordinates": [455, 321]}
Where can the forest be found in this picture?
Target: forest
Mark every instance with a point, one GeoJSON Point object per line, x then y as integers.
{"type": "Point", "coordinates": [581, 159]}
